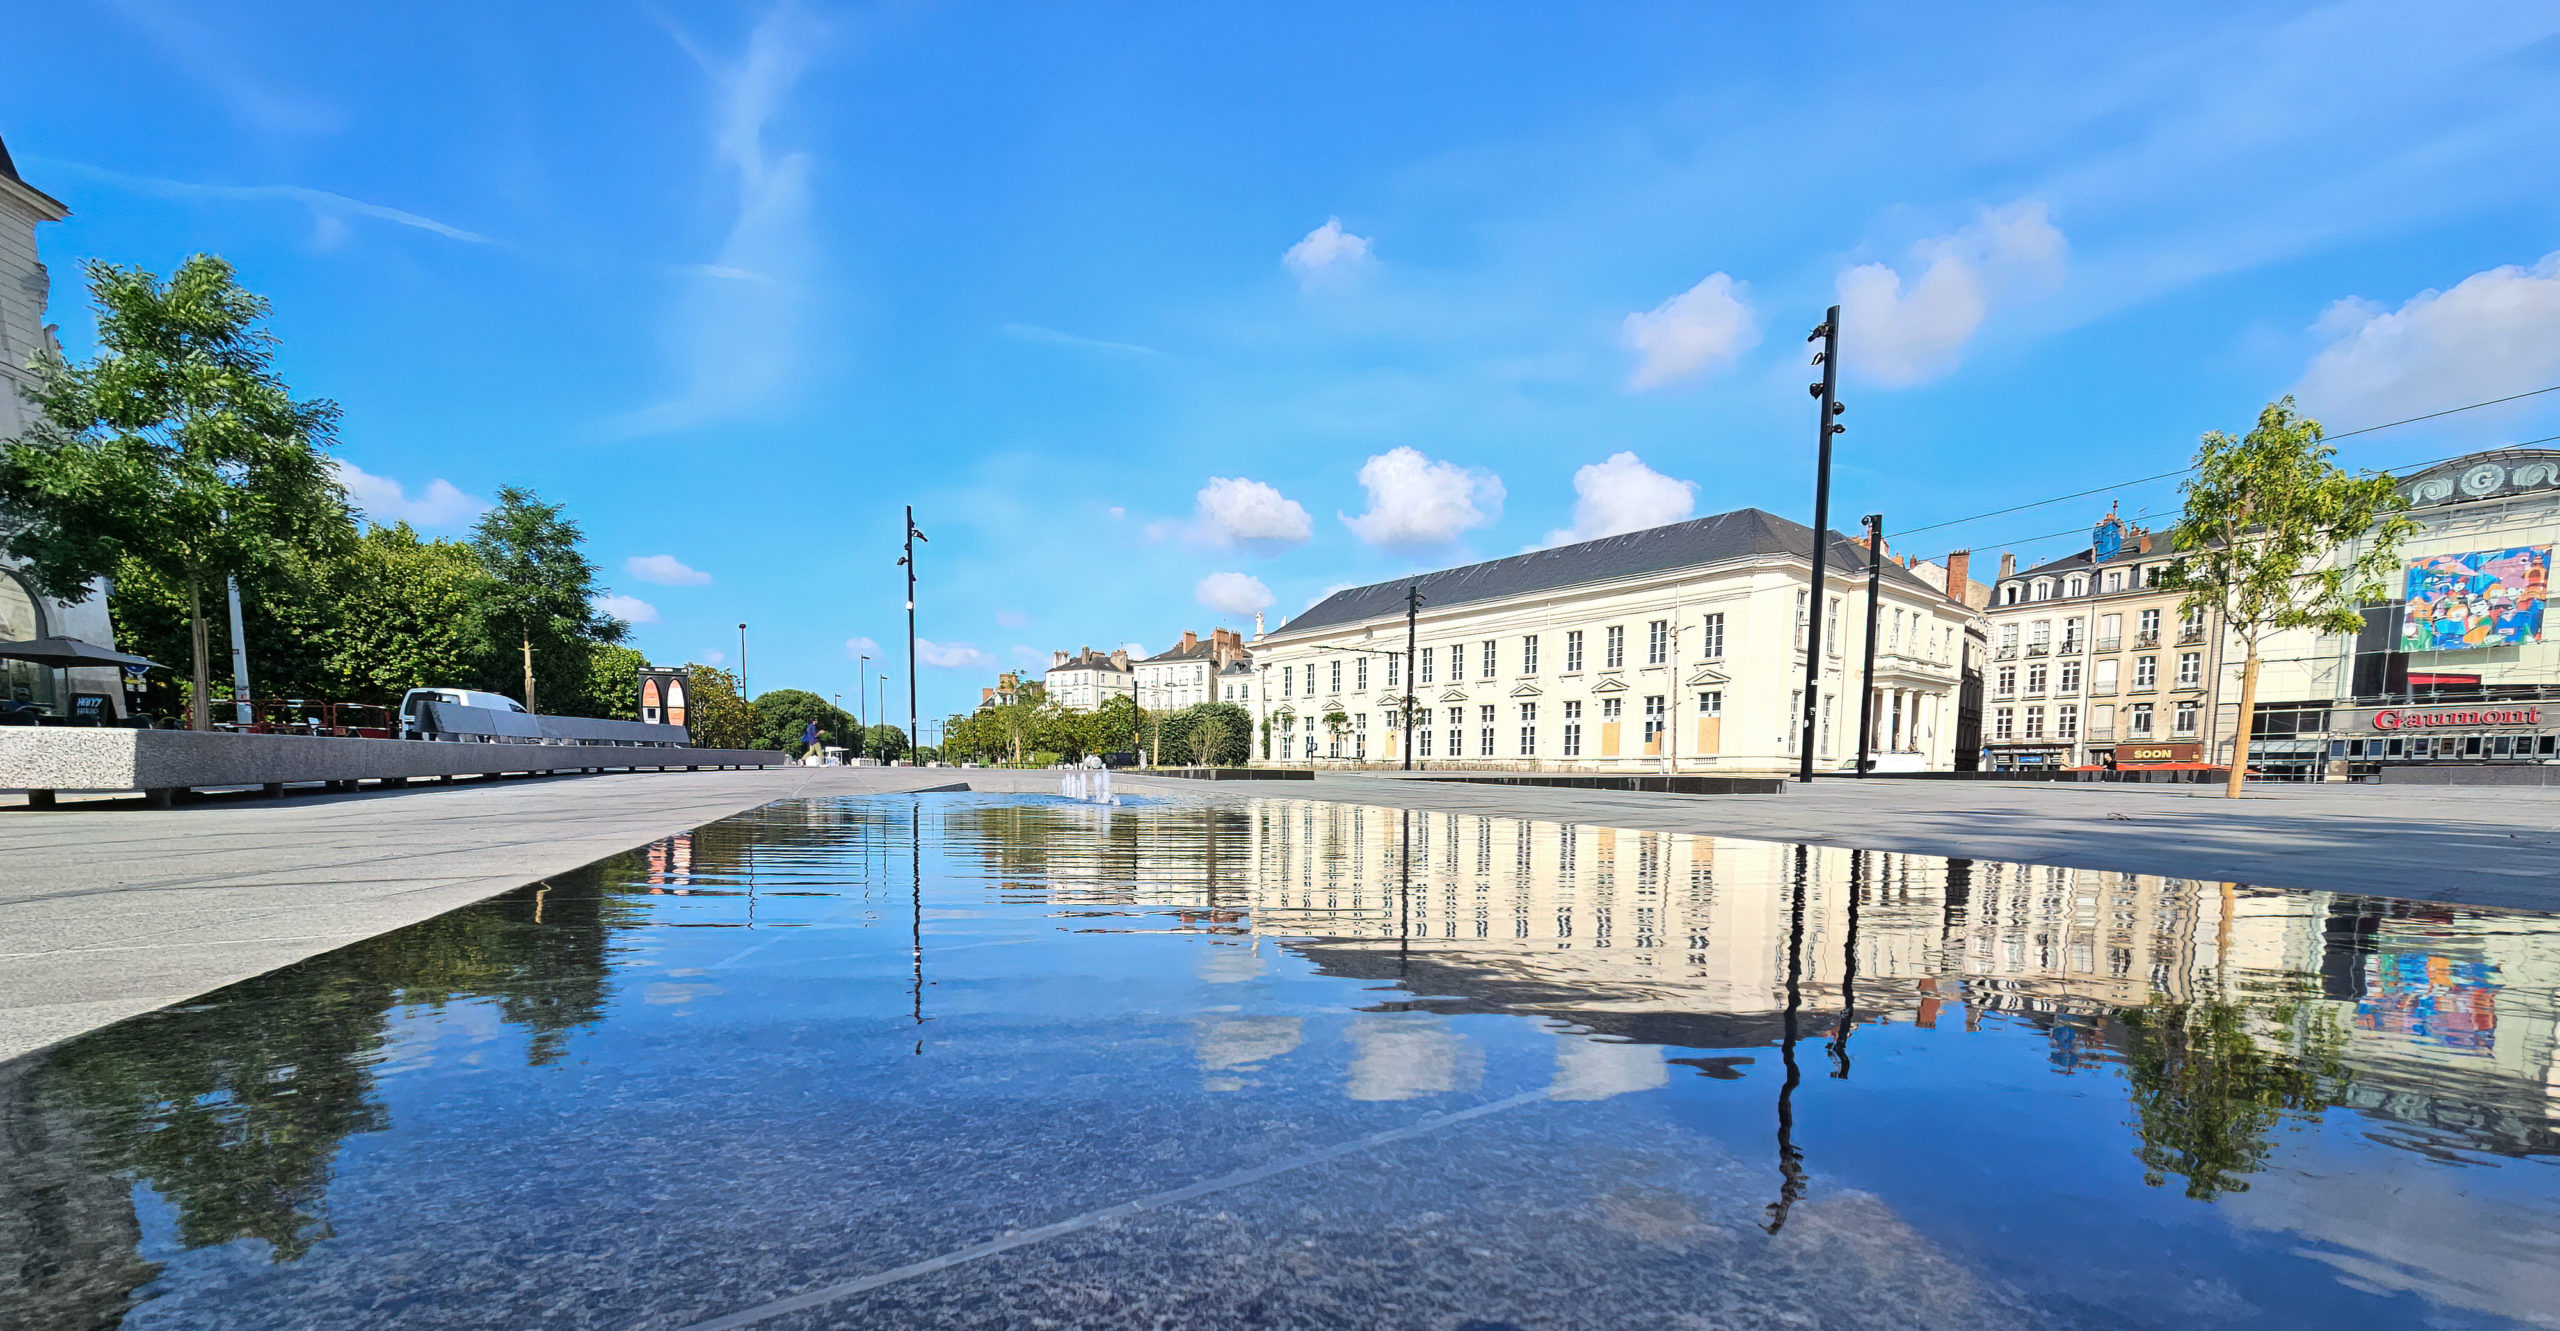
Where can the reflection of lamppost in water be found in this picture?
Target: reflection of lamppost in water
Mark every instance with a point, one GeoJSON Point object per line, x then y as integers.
{"type": "Point", "coordinates": [1849, 970]}
{"type": "Point", "coordinates": [915, 827]}
{"type": "Point", "coordinates": [1791, 1160]}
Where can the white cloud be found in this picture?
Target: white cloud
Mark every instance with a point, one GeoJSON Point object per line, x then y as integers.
{"type": "Point", "coordinates": [1232, 510]}
{"type": "Point", "coordinates": [1011, 619]}
{"type": "Point", "coordinates": [627, 607]}
{"type": "Point", "coordinates": [2493, 333]}
{"type": "Point", "coordinates": [1327, 254]}
{"type": "Point", "coordinates": [1704, 328]}
{"type": "Point", "coordinates": [664, 570]}
{"type": "Point", "coordinates": [385, 501]}
{"type": "Point", "coordinates": [855, 648]}
{"type": "Point", "coordinates": [736, 330]}
{"type": "Point", "coordinates": [1233, 593]}
{"type": "Point", "coordinates": [1622, 494]}
{"type": "Point", "coordinates": [715, 657]}
{"type": "Point", "coordinates": [1899, 335]}
{"type": "Point", "coordinates": [1414, 500]}
{"type": "Point", "coordinates": [952, 655]}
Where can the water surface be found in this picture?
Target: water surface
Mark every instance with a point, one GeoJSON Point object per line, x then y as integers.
{"type": "Point", "coordinates": [982, 1061]}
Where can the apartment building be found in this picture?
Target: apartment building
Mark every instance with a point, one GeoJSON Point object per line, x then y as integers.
{"type": "Point", "coordinates": [2094, 664]}
{"type": "Point", "coordinates": [1189, 672]}
{"type": "Point", "coordinates": [1083, 681]}
{"type": "Point", "coordinates": [1676, 648]}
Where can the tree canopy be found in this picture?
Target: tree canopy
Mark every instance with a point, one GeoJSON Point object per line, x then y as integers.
{"type": "Point", "coordinates": [783, 715]}
{"type": "Point", "coordinates": [719, 718]}
{"type": "Point", "coordinates": [542, 588]}
{"type": "Point", "coordinates": [177, 450]}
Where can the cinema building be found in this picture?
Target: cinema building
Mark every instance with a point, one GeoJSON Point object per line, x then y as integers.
{"type": "Point", "coordinates": [2457, 676]}
{"type": "Point", "coordinates": [1673, 649]}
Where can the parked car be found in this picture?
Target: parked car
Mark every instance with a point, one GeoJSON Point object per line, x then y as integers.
{"type": "Point", "coordinates": [414, 715]}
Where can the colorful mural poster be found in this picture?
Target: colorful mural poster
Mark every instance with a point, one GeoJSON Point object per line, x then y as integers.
{"type": "Point", "coordinates": [2486, 598]}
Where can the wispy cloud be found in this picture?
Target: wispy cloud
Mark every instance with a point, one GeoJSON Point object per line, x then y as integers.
{"type": "Point", "coordinates": [1036, 333]}
{"type": "Point", "coordinates": [856, 648]}
{"type": "Point", "coordinates": [325, 206]}
{"type": "Point", "coordinates": [738, 324]}
{"type": "Point", "coordinates": [952, 655]}
{"type": "Point", "coordinates": [200, 51]}
{"type": "Point", "coordinates": [664, 570]}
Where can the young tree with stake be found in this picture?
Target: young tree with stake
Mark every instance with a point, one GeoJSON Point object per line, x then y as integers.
{"type": "Point", "coordinates": [2264, 542]}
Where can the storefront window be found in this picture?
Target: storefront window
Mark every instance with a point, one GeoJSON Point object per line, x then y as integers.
{"type": "Point", "coordinates": [20, 620]}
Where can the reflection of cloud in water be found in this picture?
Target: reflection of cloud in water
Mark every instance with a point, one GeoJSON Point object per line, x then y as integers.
{"type": "Point", "coordinates": [666, 995]}
{"type": "Point", "coordinates": [1588, 1069]}
{"type": "Point", "coordinates": [1401, 1055]}
{"type": "Point", "coordinates": [2405, 1224]}
{"type": "Point", "coordinates": [1236, 1043]}
{"type": "Point", "coordinates": [1225, 963]}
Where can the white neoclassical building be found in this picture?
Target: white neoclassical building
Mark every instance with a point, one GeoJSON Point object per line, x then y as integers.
{"type": "Point", "coordinates": [1188, 673]}
{"type": "Point", "coordinates": [1677, 648]}
{"type": "Point", "coordinates": [25, 290]}
{"type": "Point", "coordinates": [1086, 679]}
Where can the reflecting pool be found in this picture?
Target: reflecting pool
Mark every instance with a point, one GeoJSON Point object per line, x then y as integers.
{"type": "Point", "coordinates": [998, 1061]}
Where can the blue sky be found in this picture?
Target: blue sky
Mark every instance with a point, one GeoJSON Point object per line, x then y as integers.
{"type": "Point", "coordinates": [1150, 309]}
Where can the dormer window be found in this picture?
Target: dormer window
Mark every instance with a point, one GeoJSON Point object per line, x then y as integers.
{"type": "Point", "coordinates": [2009, 594]}
{"type": "Point", "coordinates": [2076, 586]}
{"type": "Point", "coordinates": [2044, 589]}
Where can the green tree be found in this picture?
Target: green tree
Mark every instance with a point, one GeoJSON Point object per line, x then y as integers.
{"type": "Point", "coordinates": [719, 718]}
{"type": "Point", "coordinates": [2206, 1094]}
{"type": "Point", "coordinates": [177, 449]}
{"type": "Point", "coordinates": [886, 743]}
{"type": "Point", "coordinates": [1210, 734]}
{"type": "Point", "coordinates": [1337, 723]}
{"type": "Point", "coordinates": [613, 681]}
{"type": "Point", "coordinates": [541, 599]}
{"type": "Point", "coordinates": [2270, 541]}
{"type": "Point", "coordinates": [783, 715]}
{"type": "Point", "coordinates": [407, 616]}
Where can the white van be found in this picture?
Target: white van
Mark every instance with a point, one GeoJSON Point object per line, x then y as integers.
{"type": "Point", "coordinates": [410, 709]}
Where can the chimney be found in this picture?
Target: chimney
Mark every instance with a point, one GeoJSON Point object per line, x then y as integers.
{"type": "Point", "coordinates": [2142, 544]}
{"type": "Point", "coordinates": [1059, 658]}
{"type": "Point", "coordinates": [986, 697]}
{"type": "Point", "coordinates": [2008, 566]}
{"type": "Point", "coordinates": [1959, 569]}
{"type": "Point", "coordinates": [1190, 640]}
{"type": "Point", "coordinates": [1119, 658]}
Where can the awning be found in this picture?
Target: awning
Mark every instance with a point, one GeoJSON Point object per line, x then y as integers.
{"type": "Point", "coordinates": [71, 653]}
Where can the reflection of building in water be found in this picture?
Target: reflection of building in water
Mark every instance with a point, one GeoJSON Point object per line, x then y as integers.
{"type": "Point", "coordinates": [68, 1228]}
{"type": "Point", "coordinates": [2440, 1019]}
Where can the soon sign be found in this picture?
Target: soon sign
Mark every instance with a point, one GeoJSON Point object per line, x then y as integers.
{"type": "Point", "coordinates": [2507, 716]}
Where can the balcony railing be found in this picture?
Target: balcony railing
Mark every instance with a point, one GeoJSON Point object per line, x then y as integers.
{"type": "Point", "coordinates": [2102, 732]}
{"type": "Point", "coordinates": [2151, 639]}
{"type": "Point", "coordinates": [2039, 649]}
{"type": "Point", "coordinates": [2071, 647]}
{"type": "Point", "coordinates": [2110, 644]}
{"type": "Point", "coordinates": [2190, 637]}
{"type": "Point", "coordinates": [2008, 653]}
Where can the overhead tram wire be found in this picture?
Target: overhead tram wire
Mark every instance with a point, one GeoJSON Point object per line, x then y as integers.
{"type": "Point", "coordinates": [2162, 476]}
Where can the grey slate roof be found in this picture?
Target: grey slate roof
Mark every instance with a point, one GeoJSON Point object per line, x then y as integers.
{"type": "Point", "coordinates": [1740, 534]}
{"type": "Point", "coordinates": [1199, 652]}
{"type": "Point", "coordinates": [1088, 660]}
{"type": "Point", "coordinates": [7, 167]}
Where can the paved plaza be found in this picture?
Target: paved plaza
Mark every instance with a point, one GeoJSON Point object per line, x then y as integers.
{"type": "Point", "coordinates": [111, 910]}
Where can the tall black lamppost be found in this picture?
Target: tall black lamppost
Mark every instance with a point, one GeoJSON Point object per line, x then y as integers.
{"type": "Point", "coordinates": [1828, 334]}
{"type": "Point", "coordinates": [1867, 684]}
{"type": "Point", "coordinates": [1412, 615]}
{"type": "Point", "coordinates": [743, 694]}
{"type": "Point", "coordinates": [909, 561]}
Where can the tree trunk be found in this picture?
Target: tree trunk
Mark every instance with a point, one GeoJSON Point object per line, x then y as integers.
{"type": "Point", "coordinates": [200, 705]}
{"type": "Point", "coordinates": [528, 672]}
{"type": "Point", "coordinates": [2248, 722]}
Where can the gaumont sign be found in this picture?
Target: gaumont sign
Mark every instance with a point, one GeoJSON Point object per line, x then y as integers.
{"type": "Point", "coordinates": [2470, 717]}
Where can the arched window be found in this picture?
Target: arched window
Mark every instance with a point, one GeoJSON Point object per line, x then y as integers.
{"type": "Point", "coordinates": [22, 618]}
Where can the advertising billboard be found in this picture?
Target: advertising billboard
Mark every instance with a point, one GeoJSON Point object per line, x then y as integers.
{"type": "Point", "coordinates": [2484, 598]}
{"type": "Point", "coordinates": [662, 699]}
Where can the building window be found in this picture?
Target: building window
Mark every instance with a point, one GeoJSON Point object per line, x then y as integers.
{"type": "Point", "coordinates": [2115, 579]}
{"type": "Point", "coordinates": [1484, 739]}
{"type": "Point", "coordinates": [2004, 723]}
{"type": "Point", "coordinates": [2066, 721]}
{"type": "Point", "coordinates": [2146, 672]}
{"type": "Point", "coordinates": [2043, 590]}
{"type": "Point", "coordinates": [2104, 678]}
{"type": "Point", "coordinates": [1528, 730]}
{"type": "Point", "coordinates": [2040, 637]}
{"type": "Point", "coordinates": [1395, 668]}
{"type": "Point", "coordinates": [1615, 655]}
{"type": "Point", "coordinates": [1653, 709]}
{"type": "Point", "coordinates": [2070, 678]}
{"type": "Point", "coordinates": [1831, 626]}
{"type": "Point", "coordinates": [1529, 655]}
{"type": "Point", "coordinates": [2035, 723]}
{"type": "Point", "coordinates": [1826, 723]}
{"type": "Point", "coordinates": [1711, 703]}
{"type": "Point", "coordinates": [1422, 739]}
{"type": "Point", "coordinates": [1657, 642]}
{"type": "Point", "coordinates": [1488, 665]}
{"type": "Point", "coordinates": [2190, 669]}
{"type": "Point", "coordinates": [1288, 681]}
{"type": "Point", "coordinates": [2009, 594]}
{"type": "Point", "coordinates": [1711, 637]}
{"type": "Point", "coordinates": [1800, 620]}
{"type": "Point", "coordinates": [2076, 585]}
{"type": "Point", "coordinates": [1457, 732]}
{"type": "Point", "coordinates": [1422, 668]}
{"type": "Point", "coordinates": [1573, 652]}
{"type": "Point", "coordinates": [1337, 676]}
{"type": "Point", "coordinates": [2005, 681]}
{"type": "Point", "coordinates": [1795, 718]}
{"type": "Point", "coordinates": [1573, 730]}
{"type": "Point", "coordinates": [2035, 679]}
{"type": "Point", "coordinates": [2191, 625]}
{"type": "Point", "coordinates": [1360, 674]}
{"type": "Point", "coordinates": [1612, 708]}
{"type": "Point", "coordinates": [2008, 640]}
{"type": "Point", "coordinates": [2149, 632]}
{"type": "Point", "coordinates": [2138, 718]}
{"type": "Point", "coordinates": [2185, 719]}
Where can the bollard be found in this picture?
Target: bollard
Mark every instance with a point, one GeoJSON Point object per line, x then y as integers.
{"type": "Point", "coordinates": [39, 799]}
{"type": "Point", "coordinates": [161, 797]}
{"type": "Point", "coordinates": [273, 790]}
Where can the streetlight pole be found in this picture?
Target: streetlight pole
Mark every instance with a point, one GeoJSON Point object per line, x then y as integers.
{"type": "Point", "coordinates": [909, 561]}
{"type": "Point", "coordinates": [1828, 334]}
{"type": "Point", "coordinates": [1412, 617]}
{"type": "Point", "coordinates": [743, 693]}
{"type": "Point", "coordinates": [862, 686]}
{"type": "Point", "coordinates": [1867, 685]}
